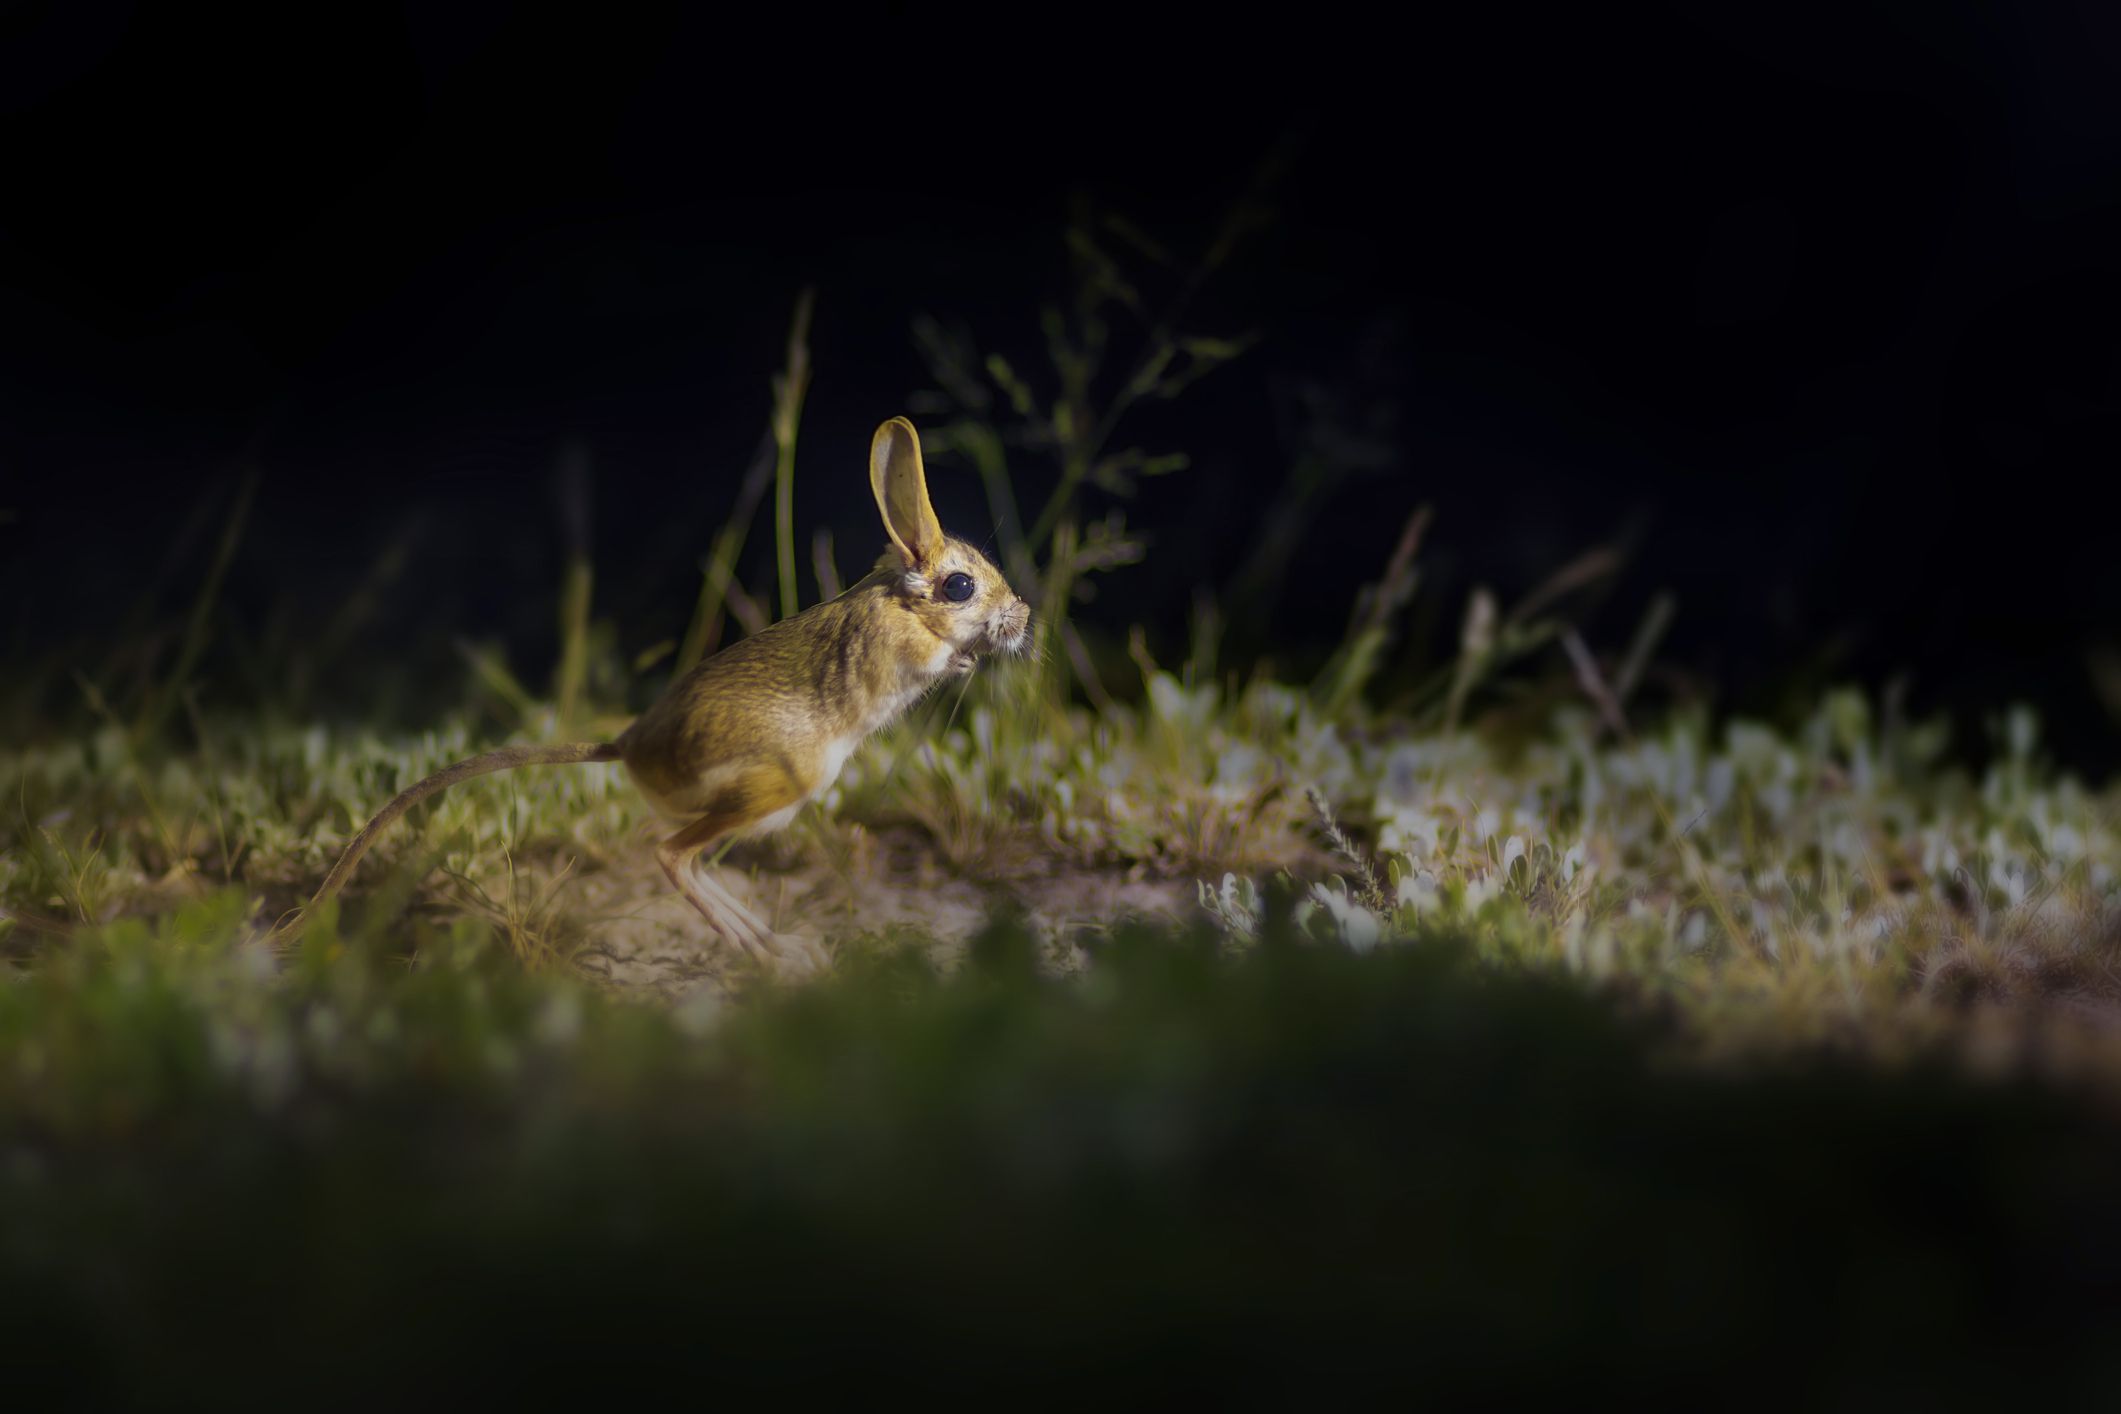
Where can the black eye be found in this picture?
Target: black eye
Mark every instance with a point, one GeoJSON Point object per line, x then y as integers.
{"type": "Point", "coordinates": [957, 588]}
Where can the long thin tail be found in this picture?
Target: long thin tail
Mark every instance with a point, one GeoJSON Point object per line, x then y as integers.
{"type": "Point", "coordinates": [506, 759]}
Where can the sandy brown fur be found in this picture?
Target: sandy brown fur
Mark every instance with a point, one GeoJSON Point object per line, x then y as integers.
{"type": "Point", "coordinates": [739, 743]}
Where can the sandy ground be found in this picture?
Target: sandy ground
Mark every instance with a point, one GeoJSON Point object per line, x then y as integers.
{"type": "Point", "coordinates": [646, 938]}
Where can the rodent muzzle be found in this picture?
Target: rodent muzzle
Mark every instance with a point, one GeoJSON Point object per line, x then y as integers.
{"type": "Point", "coordinates": [1011, 631]}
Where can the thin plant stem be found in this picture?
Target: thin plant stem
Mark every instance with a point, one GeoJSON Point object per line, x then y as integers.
{"type": "Point", "coordinates": [719, 571]}
{"type": "Point", "coordinates": [789, 386]}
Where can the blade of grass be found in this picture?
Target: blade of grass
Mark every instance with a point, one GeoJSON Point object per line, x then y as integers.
{"type": "Point", "coordinates": [719, 570]}
{"type": "Point", "coordinates": [789, 386]}
{"type": "Point", "coordinates": [493, 672]}
{"type": "Point", "coordinates": [159, 697]}
{"type": "Point", "coordinates": [824, 565]}
{"type": "Point", "coordinates": [1648, 634]}
{"type": "Point", "coordinates": [575, 589]}
{"type": "Point", "coordinates": [1370, 625]}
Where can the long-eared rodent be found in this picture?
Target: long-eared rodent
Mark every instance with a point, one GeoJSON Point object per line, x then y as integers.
{"type": "Point", "coordinates": [742, 741]}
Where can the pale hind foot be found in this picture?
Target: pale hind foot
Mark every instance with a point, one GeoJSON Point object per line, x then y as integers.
{"type": "Point", "coordinates": [800, 954]}
{"type": "Point", "coordinates": [792, 955]}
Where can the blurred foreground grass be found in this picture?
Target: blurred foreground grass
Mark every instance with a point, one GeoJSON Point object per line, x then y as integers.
{"type": "Point", "coordinates": [1298, 1170]}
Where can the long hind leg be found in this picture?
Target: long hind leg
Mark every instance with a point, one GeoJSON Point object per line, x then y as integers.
{"type": "Point", "coordinates": [752, 800]}
{"type": "Point", "coordinates": [677, 854]}
{"type": "Point", "coordinates": [814, 957]}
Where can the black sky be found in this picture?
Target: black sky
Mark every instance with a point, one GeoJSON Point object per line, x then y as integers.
{"type": "Point", "coordinates": [1824, 309]}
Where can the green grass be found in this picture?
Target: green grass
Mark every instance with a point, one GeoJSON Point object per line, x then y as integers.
{"type": "Point", "coordinates": [1842, 874]}
{"type": "Point", "coordinates": [1301, 1169]}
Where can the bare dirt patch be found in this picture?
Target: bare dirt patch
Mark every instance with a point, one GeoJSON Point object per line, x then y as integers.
{"type": "Point", "coordinates": [883, 886]}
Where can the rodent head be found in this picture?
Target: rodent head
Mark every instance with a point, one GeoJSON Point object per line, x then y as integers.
{"type": "Point", "coordinates": [954, 590]}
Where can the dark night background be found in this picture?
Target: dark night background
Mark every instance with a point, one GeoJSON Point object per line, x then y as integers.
{"type": "Point", "coordinates": [1823, 310]}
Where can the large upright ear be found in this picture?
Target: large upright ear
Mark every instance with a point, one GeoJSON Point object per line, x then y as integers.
{"type": "Point", "coordinates": [901, 486]}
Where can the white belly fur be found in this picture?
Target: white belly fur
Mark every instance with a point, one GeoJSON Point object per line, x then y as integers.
{"type": "Point", "coordinates": [834, 759]}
